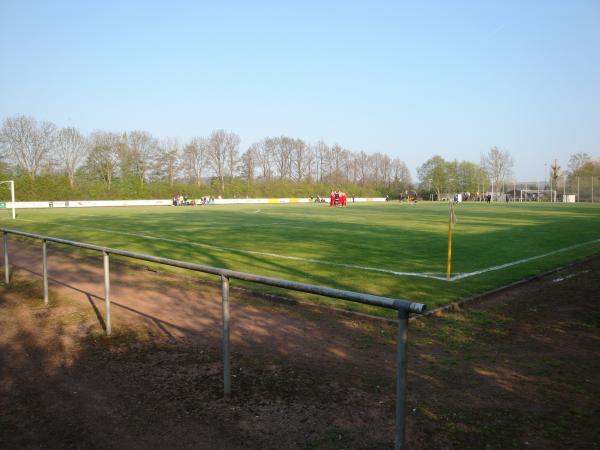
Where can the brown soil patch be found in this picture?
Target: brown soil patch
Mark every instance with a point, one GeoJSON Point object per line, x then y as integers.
{"type": "Point", "coordinates": [520, 370]}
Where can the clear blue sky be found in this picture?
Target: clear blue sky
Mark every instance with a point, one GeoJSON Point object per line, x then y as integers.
{"type": "Point", "coordinates": [408, 79]}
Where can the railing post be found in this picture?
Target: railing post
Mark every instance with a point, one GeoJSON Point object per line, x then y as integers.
{"type": "Point", "coordinates": [226, 354]}
{"type": "Point", "coordinates": [107, 292]}
{"type": "Point", "coordinates": [45, 269]}
{"type": "Point", "coordinates": [401, 379]}
{"type": "Point", "coordinates": [6, 268]}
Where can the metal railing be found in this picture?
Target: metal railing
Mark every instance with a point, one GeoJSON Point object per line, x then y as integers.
{"type": "Point", "coordinates": [403, 307]}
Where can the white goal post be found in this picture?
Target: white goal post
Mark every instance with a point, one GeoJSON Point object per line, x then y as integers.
{"type": "Point", "coordinates": [536, 195]}
{"type": "Point", "coordinates": [11, 183]}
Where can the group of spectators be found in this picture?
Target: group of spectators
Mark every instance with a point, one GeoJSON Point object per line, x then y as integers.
{"type": "Point", "coordinates": [182, 200]}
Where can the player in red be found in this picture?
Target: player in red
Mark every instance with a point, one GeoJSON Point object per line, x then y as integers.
{"type": "Point", "coordinates": [331, 199]}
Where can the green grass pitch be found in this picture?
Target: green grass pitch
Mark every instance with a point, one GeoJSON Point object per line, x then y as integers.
{"type": "Point", "coordinates": [356, 248]}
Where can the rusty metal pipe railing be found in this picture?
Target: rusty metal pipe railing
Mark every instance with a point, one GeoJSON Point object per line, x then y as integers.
{"type": "Point", "coordinates": [403, 307]}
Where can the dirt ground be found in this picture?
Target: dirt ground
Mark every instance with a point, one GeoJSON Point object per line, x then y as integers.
{"type": "Point", "coordinates": [518, 369]}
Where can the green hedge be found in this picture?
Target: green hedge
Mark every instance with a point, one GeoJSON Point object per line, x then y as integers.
{"type": "Point", "coordinates": [56, 187]}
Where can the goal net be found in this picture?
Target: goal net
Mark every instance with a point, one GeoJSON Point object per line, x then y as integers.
{"type": "Point", "coordinates": [538, 195]}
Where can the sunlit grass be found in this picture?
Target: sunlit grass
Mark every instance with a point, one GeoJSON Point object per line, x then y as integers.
{"type": "Point", "coordinates": [398, 237]}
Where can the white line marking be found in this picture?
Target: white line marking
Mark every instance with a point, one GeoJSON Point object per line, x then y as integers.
{"type": "Point", "coordinates": [571, 275]}
{"type": "Point", "coordinates": [251, 252]}
{"type": "Point", "coordinates": [520, 261]}
{"type": "Point", "coordinates": [456, 277]}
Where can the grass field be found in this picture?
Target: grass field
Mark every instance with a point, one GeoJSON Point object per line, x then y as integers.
{"type": "Point", "coordinates": [391, 249]}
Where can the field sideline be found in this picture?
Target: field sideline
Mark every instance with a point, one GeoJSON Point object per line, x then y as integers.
{"type": "Point", "coordinates": [392, 249]}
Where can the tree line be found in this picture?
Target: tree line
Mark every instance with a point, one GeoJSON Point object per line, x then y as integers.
{"type": "Point", "coordinates": [440, 177]}
{"type": "Point", "coordinates": [49, 162]}
{"type": "Point", "coordinates": [44, 156]}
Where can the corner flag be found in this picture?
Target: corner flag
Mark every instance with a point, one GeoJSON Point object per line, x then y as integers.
{"type": "Point", "coordinates": [451, 225]}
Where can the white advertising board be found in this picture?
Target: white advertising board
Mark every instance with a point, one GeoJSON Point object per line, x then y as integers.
{"type": "Point", "coordinates": [217, 201]}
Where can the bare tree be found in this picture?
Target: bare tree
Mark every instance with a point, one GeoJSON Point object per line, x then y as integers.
{"type": "Point", "coordinates": [194, 158]}
{"type": "Point", "coordinates": [578, 160]}
{"type": "Point", "coordinates": [167, 161]}
{"type": "Point", "coordinates": [361, 163]}
{"type": "Point", "coordinates": [222, 149]}
{"type": "Point", "coordinates": [299, 159]}
{"type": "Point", "coordinates": [284, 147]}
{"type": "Point", "coordinates": [378, 168]}
{"type": "Point", "coordinates": [265, 158]}
{"type": "Point", "coordinates": [384, 175]}
{"type": "Point", "coordinates": [401, 178]}
{"type": "Point", "coordinates": [337, 158]}
{"type": "Point", "coordinates": [142, 149]}
{"type": "Point", "coordinates": [103, 156]}
{"type": "Point", "coordinates": [322, 152]}
{"type": "Point", "coordinates": [309, 163]}
{"type": "Point", "coordinates": [249, 160]}
{"type": "Point", "coordinates": [27, 143]}
{"type": "Point", "coordinates": [232, 154]}
{"type": "Point", "coordinates": [126, 163]}
{"type": "Point", "coordinates": [498, 165]}
{"type": "Point", "coordinates": [71, 149]}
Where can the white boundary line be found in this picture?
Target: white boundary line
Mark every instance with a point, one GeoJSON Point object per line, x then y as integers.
{"type": "Point", "coordinates": [456, 277]}
{"type": "Point", "coordinates": [252, 252]}
{"type": "Point", "coordinates": [520, 261]}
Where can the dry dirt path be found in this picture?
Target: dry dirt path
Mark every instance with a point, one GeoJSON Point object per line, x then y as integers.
{"type": "Point", "coordinates": [182, 308]}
